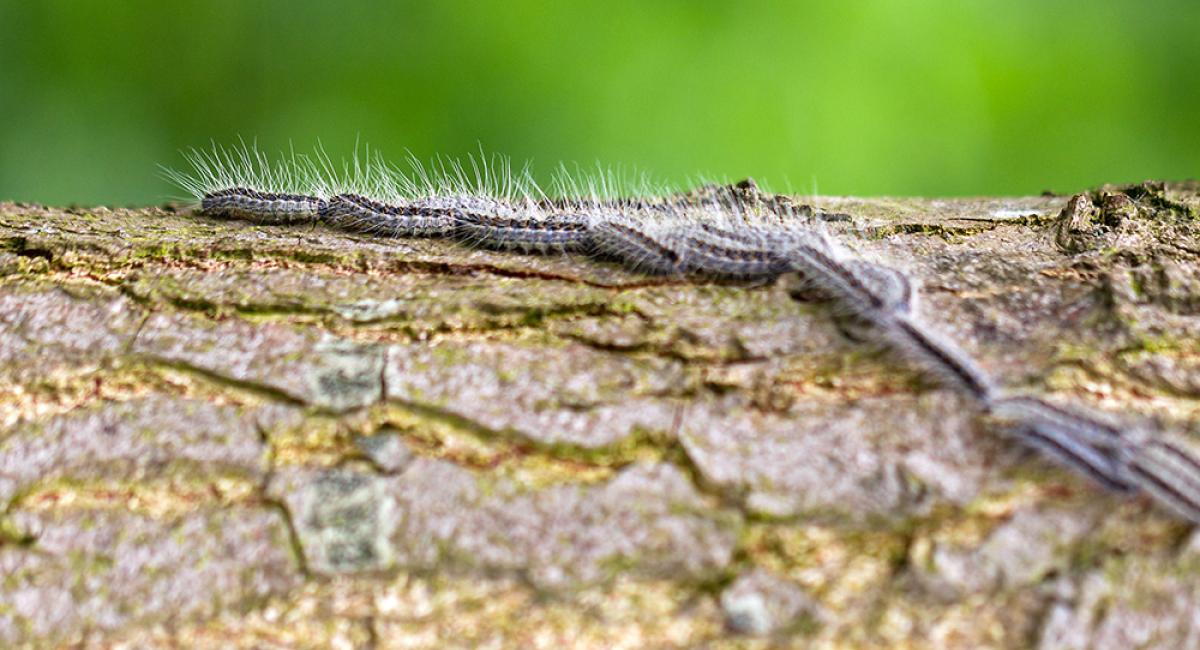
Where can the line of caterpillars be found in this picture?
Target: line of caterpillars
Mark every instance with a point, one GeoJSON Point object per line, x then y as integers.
{"type": "Point", "coordinates": [694, 234]}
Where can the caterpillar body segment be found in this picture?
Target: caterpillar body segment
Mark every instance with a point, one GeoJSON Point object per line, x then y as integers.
{"type": "Point", "coordinates": [893, 287]}
{"type": "Point", "coordinates": [702, 254]}
{"type": "Point", "coordinates": [560, 233]}
{"type": "Point", "coordinates": [941, 358]}
{"type": "Point", "coordinates": [360, 214]}
{"type": "Point", "coordinates": [626, 242]}
{"type": "Point", "coordinates": [1167, 471]}
{"type": "Point", "coordinates": [263, 207]}
{"type": "Point", "coordinates": [1084, 442]}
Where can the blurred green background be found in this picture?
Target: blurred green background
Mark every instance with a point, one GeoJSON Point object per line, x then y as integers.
{"type": "Point", "coordinates": [909, 98]}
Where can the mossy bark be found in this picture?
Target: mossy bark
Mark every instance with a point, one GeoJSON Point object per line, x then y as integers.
{"type": "Point", "coordinates": [224, 434]}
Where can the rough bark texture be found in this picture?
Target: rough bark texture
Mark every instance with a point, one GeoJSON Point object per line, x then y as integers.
{"type": "Point", "coordinates": [222, 434]}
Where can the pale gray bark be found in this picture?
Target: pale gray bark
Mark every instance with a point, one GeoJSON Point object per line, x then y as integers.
{"type": "Point", "coordinates": [216, 433]}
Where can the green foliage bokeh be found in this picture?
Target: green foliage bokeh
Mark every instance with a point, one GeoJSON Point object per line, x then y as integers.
{"type": "Point", "coordinates": [836, 97]}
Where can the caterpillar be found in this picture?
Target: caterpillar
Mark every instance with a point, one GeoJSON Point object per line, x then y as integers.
{"type": "Point", "coordinates": [725, 232]}
{"type": "Point", "coordinates": [278, 207]}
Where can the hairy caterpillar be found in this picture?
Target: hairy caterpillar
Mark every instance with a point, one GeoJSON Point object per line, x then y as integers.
{"type": "Point", "coordinates": [266, 206]}
{"type": "Point", "coordinates": [725, 232]}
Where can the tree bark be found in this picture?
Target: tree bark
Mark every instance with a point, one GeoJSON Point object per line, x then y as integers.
{"type": "Point", "coordinates": [224, 434]}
